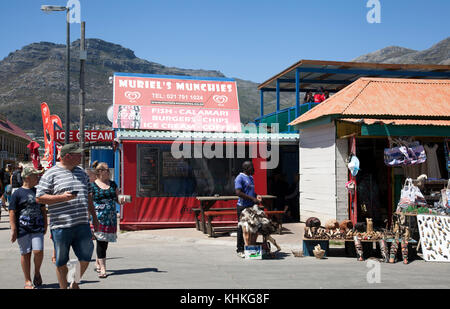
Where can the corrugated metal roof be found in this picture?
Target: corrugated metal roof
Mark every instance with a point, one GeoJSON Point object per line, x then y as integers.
{"type": "Point", "coordinates": [399, 122]}
{"type": "Point", "coordinates": [11, 128]}
{"type": "Point", "coordinates": [387, 98]}
{"type": "Point", "coordinates": [345, 76]}
{"type": "Point", "coordinates": [186, 135]}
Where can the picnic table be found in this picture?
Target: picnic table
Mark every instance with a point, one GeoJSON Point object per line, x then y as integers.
{"type": "Point", "coordinates": [207, 202]}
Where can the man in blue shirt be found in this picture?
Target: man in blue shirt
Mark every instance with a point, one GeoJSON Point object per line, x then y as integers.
{"type": "Point", "coordinates": [245, 189]}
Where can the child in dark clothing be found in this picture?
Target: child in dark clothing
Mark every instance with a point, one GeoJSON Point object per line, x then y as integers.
{"type": "Point", "coordinates": [28, 221]}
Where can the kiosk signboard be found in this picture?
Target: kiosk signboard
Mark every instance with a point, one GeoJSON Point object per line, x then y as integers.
{"type": "Point", "coordinates": [181, 103]}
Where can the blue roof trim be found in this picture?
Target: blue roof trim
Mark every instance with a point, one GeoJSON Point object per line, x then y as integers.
{"type": "Point", "coordinates": [222, 79]}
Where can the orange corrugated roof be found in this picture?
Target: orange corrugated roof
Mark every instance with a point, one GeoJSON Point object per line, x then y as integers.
{"type": "Point", "coordinates": [386, 97]}
{"type": "Point", "coordinates": [399, 122]}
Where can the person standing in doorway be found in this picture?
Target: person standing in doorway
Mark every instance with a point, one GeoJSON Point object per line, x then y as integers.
{"type": "Point", "coordinates": [64, 188]}
{"type": "Point", "coordinates": [245, 190]}
{"type": "Point", "coordinates": [28, 221]}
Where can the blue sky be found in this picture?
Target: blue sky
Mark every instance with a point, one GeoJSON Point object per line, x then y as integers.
{"type": "Point", "coordinates": [248, 39]}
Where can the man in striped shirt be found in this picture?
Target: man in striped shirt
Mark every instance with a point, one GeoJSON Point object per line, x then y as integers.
{"type": "Point", "coordinates": [64, 188]}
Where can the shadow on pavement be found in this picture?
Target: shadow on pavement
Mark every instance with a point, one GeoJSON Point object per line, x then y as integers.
{"type": "Point", "coordinates": [49, 286]}
{"type": "Point", "coordinates": [107, 259]}
{"type": "Point", "coordinates": [133, 271]}
{"type": "Point", "coordinates": [56, 285]}
{"type": "Point", "coordinates": [280, 255]}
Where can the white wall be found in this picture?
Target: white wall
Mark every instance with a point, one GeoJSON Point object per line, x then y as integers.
{"type": "Point", "coordinates": [318, 172]}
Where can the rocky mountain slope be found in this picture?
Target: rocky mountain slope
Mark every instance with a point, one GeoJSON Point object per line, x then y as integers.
{"type": "Point", "coordinates": [437, 54]}
{"type": "Point", "coordinates": [36, 73]}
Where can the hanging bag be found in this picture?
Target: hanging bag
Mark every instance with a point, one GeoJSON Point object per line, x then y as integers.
{"type": "Point", "coordinates": [447, 195]}
{"type": "Point", "coordinates": [407, 196]}
{"type": "Point", "coordinates": [416, 154]}
{"type": "Point", "coordinates": [404, 153]}
{"type": "Point", "coordinates": [396, 154]}
{"type": "Point", "coordinates": [410, 196]}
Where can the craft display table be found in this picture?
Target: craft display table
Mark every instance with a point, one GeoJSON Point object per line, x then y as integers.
{"type": "Point", "coordinates": [309, 244]}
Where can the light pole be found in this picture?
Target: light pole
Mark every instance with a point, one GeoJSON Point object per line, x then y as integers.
{"type": "Point", "coordinates": [53, 8]}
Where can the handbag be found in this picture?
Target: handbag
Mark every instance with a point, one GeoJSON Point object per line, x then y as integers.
{"type": "Point", "coordinates": [416, 154]}
{"type": "Point", "coordinates": [395, 156]}
{"type": "Point", "coordinates": [410, 196]}
{"type": "Point", "coordinates": [405, 153]}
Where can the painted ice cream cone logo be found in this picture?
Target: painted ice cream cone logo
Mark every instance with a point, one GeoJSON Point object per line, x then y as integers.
{"type": "Point", "coordinates": [220, 99]}
{"type": "Point", "coordinates": [133, 96]}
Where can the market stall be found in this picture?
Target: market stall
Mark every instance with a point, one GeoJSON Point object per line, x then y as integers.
{"type": "Point", "coordinates": [385, 135]}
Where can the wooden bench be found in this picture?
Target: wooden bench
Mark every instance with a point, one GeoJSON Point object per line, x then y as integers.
{"type": "Point", "coordinates": [209, 216]}
{"type": "Point", "coordinates": [197, 212]}
{"type": "Point", "coordinates": [211, 230]}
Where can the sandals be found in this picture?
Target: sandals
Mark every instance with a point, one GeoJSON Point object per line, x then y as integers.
{"type": "Point", "coordinates": [37, 281]}
{"type": "Point", "coordinates": [102, 275]}
{"type": "Point", "coordinates": [74, 286]}
{"type": "Point", "coordinates": [29, 286]}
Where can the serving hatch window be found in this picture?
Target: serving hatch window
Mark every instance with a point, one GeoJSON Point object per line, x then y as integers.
{"type": "Point", "coordinates": [159, 174]}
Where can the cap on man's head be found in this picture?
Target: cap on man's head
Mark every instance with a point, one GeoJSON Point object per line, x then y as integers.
{"type": "Point", "coordinates": [70, 148]}
{"type": "Point", "coordinates": [29, 170]}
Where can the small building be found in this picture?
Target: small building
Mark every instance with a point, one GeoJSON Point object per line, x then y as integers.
{"type": "Point", "coordinates": [13, 143]}
{"type": "Point", "coordinates": [164, 187]}
{"type": "Point", "coordinates": [371, 112]}
{"type": "Point", "coordinates": [314, 76]}
{"type": "Point", "coordinates": [180, 137]}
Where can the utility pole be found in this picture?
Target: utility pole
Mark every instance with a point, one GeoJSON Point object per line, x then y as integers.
{"type": "Point", "coordinates": [67, 131]}
{"type": "Point", "coordinates": [83, 58]}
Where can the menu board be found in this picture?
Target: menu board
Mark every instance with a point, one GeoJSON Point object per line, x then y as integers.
{"type": "Point", "coordinates": [148, 172]}
{"type": "Point", "coordinates": [174, 167]}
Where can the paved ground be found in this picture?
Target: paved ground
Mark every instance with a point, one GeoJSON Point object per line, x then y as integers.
{"type": "Point", "coordinates": [188, 259]}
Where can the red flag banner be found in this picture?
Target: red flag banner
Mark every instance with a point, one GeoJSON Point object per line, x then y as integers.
{"type": "Point", "coordinates": [48, 137]}
{"type": "Point", "coordinates": [48, 122]}
{"type": "Point", "coordinates": [34, 154]}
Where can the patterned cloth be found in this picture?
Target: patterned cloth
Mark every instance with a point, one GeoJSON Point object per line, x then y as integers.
{"type": "Point", "coordinates": [104, 202]}
{"type": "Point", "coordinates": [447, 155]}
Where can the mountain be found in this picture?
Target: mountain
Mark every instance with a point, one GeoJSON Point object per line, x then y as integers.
{"type": "Point", "coordinates": [437, 54]}
{"type": "Point", "coordinates": [36, 73]}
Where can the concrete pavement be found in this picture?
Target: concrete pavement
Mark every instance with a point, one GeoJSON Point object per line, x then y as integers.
{"type": "Point", "coordinates": [188, 259]}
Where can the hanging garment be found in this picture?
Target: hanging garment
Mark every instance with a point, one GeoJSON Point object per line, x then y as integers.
{"type": "Point", "coordinates": [433, 163]}
{"type": "Point", "coordinates": [447, 156]}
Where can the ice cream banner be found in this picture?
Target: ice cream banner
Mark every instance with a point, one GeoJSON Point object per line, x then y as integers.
{"type": "Point", "coordinates": [184, 103]}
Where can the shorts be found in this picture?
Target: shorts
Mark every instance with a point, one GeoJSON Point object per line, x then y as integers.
{"type": "Point", "coordinates": [31, 241]}
{"type": "Point", "coordinates": [78, 237]}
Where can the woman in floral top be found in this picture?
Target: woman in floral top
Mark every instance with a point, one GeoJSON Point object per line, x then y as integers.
{"type": "Point", "coordinates": [104, 195]}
